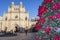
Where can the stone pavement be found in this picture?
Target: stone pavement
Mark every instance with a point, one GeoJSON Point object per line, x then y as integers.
{"type": "Point", "coordinates": [19, 36]}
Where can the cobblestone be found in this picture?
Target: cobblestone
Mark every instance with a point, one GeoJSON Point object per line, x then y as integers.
{"type": "Point", "coordinates": [19, 36]}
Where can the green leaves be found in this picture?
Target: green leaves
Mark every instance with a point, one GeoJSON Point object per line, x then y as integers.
{"type": "Point", "coordinates": [48, 14]}
{"type": "Point", "coordinates": [52, 22]}
{"type": "Point", "coordinates": [57, 22]}
{"type": "Point", "coordinates": [42, 35]}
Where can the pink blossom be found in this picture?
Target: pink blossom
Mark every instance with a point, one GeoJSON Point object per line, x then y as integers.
{"type": "Point", "coordinates": [37, 26]}
{"type": "Point", "coordinates": [56, 38]}
{"type": "Point", "coordinates": [48, 1]}
{"type": "Point", "coordinates": [42, 20]}
{"type": "Point", "coordinates": [58, 15]}
{"type": "Point", "coordinates": [56, 28]}
{"type": "Point", "coordinates": [56, 6]}
{"type": "Point", "coordinates": [41, 10]}
{"type": "Point", "coordinates": [37, 38]}
{"type": "Point", "coordinates": [47, 29]}
{"type": "Point", "coordinates": [51, 17]}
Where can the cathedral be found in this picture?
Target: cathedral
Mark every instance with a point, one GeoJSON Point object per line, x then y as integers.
{"type": "Point", "coordinates": [15, 17]}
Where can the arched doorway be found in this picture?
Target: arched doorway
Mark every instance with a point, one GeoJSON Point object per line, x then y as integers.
{"type": "Point", "coordinates": [17, 28]}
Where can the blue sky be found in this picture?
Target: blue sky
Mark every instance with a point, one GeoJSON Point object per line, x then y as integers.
{"type": "Point", "coordinates": [31, 6]}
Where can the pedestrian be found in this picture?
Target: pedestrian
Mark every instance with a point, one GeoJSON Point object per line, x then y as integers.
{"type": "Point", "coordinates": [26, 30]}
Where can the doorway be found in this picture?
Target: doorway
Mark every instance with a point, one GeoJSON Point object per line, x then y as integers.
{"type": "Point", "coordinates": [17, 28]}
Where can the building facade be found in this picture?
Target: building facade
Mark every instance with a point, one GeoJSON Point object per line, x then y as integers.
{"type": "Point", "coordinates": [15, 17]}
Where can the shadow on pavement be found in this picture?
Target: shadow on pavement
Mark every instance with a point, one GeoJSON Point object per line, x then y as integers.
{"type": "Point", "coordinates": [7, 34]}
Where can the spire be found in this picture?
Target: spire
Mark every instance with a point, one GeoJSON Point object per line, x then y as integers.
{"type": "Point", "coordinates": [21, 4]}
{"type": "Point", "coordinates": [12, 4]}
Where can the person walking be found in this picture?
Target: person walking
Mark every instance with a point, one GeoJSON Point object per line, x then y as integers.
{"type": "Point", "coordinates": [26, 30]}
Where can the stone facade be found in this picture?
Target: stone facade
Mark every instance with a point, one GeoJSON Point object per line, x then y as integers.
{"type": "Point", "coordinates": [15, 17]}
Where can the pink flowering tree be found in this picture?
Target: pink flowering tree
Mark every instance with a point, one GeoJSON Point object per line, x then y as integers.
{"type": "Point", "coordinates": [49, 20]}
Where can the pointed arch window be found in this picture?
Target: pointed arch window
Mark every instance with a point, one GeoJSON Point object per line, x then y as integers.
{"type": "Point", "coordinates": [16, 16]}
{"type": "Point", "coordinates": [26, 18]}
{"type": "Point", "coordinates": [6, 18]}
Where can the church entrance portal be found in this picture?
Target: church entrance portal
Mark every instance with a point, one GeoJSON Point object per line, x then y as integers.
{"type": "Point", "coordinates": [17, 28]}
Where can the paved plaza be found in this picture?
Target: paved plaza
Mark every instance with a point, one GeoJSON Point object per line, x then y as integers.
{"type": "Point", "coordinates": [18, 36]}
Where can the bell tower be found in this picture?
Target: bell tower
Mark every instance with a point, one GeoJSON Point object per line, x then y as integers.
{"type": "Point", "coordinates": [12, 4]}
{"type": "Point", "coordinates": [20, 4]}
{"type": "Point", "coordinates": [20, 7]}
{"type": "Point", "coordinates": [12, 7]}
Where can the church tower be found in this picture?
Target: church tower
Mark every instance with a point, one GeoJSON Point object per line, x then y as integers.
{"type": "Point", "coordinates": [11, 8]}
{"type": "Point", "coordinates": [12, 4]}
{"type": "Point", "coordinates": [21, 8]}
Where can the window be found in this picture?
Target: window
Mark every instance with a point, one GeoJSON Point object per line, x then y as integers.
{"type": "Point", "coordinates": [26, 18]}
{"type": "Point", "coordinates": [16, 16]}
{"type": "Point", "coordinates": [6, 18]}
{"type": "Point", "coordinates": [16, 10]}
